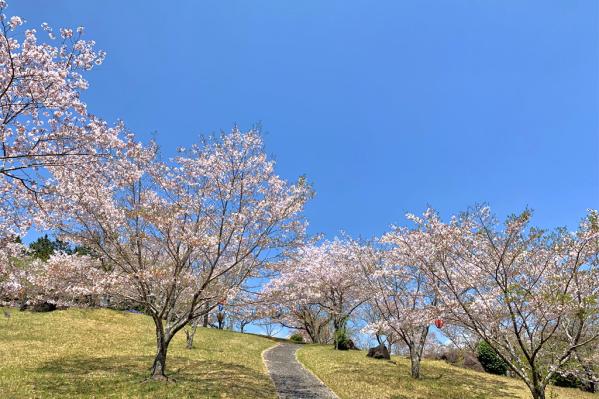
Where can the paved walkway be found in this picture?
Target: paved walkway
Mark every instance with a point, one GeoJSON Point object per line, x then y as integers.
{"type": "Point", "coordinates": [291, 379]}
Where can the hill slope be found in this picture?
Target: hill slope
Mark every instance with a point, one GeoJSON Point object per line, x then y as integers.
{"type": "Point", "coordinates": [105, 353]}
{"type": "Point", "coordinates": [354, 376]}
{"type": "Point", "coordinates": [84, 353]}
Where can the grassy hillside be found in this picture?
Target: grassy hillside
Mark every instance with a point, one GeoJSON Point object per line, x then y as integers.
{"type": "Point", "coordinates": [104, 353]}
{"type": "Point", "coordinates": [354, 376]}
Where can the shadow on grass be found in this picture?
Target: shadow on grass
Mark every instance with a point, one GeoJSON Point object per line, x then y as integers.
{"type": "Point", "coordinates": [124, 376]}
{"type": "Point", "coordinates": [462, 385]}
{"type": "Point", "coordinates": [438, 381]}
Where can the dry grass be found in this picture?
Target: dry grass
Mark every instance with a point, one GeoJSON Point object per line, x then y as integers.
{"type": "Point", "coordinates": [104, 353]}
{"type": "Point", "coordinates": [354, 376]}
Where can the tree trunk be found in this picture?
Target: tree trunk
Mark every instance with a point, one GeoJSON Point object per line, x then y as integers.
{"type": "Point", "coordinates": [337, 328]}
{"type": "Point", "coordinates": [190, 333]}
{"type": "Point", "coordinates": [415, 362]}
{"type": "Point", "coordinates": [538, 392]}
{"type": "Point", "coordinates": [206, 315]}
{"type": "Point", "coordinates": [162, 341]}
{"type": "Point", "coordinates": [537, 388]}
{"type": "Point", "coordinates": [159, 366]}
{"type": "Point", "coordinates": [335, 334]}
{"type": "Point", "coordinates": [310, 333]}
{"type": "Point", "coordinates": [188, 339]}
{"type": "Point", "coordinates": [416, 348]}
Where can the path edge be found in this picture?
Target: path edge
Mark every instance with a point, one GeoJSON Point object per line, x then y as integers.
{"type": "Point", "coordinates": [264, 362]}
{"type": "Point", "coordinates": [311, 372]}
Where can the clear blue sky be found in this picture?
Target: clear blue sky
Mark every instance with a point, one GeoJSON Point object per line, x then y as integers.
{"type": "Point", "coordinates": [386, 106]}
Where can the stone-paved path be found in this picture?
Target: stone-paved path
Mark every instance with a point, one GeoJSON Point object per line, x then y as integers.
{"type": "Point", "coordinates": [291, 379]}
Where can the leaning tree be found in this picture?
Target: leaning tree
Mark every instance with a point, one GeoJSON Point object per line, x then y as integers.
{"type": "Point", "coordinates": [177, 238]}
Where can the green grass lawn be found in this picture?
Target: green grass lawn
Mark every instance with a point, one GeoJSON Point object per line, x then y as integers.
{"type": "Point", "coordinates": [103, 353]}
{"type": "Point", "coordinates": [354, 376]}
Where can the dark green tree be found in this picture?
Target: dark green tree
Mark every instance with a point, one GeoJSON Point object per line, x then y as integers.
{"type": "Point", "coordinates": [44, 247]}
{"type": "Point", "coordinates": [490, 360]}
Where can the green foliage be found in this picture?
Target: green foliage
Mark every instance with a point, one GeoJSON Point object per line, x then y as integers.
{"type": "Point", "coordinates": [44, 247]}
{"type": "Point", "coordinates": [41, 248]}
{"type": "Point", "coordinates": [567, 381]}
{"type": "Point", "coordinates": [342, 340]}
{"type": "Point", "coordinates": [296, 338]}
{"type": "Point", "coordinates": [490, 360]}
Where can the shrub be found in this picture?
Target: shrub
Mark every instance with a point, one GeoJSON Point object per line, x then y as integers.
{"type": "Point", "coordinates": [296, 338]}
{"type": "Point", "coordinates": [342, 341]}
{"type": "Point", "coordinates": [567, 380]}
{"type": "Point", "coordinates": [490, 360]}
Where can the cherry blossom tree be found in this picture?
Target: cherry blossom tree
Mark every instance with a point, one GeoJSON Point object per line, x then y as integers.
{"type": "Point", "coordinates": [531, 294]}
{"type": "Point", "coordinates": [44, 124]}
{"type": "Point", "coordinates": [185, 235]}
{"type": "Point", "coordinates": [403, 296]}
{"type": "Point", "coordinates": [244, 309]}
{"type": "Point", "coordinates": [240, 310]}
{"type": "Point", "coordinates": [370, 318]}
{"type": "Point", "coordinates": [324, 275]}
{"type": "Point", "coordinates": [310, 320]}
{"type": "Point", "coordinates": [270, 326]}
{"type": "Point", "coordinates": [64, 280]}
{"type": "Point", "coordinates": [61, 279]}
{"type": "Point", "coordinates": [11, 274]}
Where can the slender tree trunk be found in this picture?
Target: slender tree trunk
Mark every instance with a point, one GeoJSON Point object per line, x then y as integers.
{"type": "Point", "coordinates": [189, 339]}
{"type": "Point", "coordinates": [190, 333]}
{"type": "Point", "coordinates": [205, 322]}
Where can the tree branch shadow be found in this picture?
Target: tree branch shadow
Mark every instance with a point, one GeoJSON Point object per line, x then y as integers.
{"type": "Point", "coordinates": [123, 375]}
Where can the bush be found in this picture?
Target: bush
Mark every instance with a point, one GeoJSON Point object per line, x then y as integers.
{"type": "Point", "coordinates": [296, 338]}
{"type": "Point", "coordinates": [568, 380]}
{"type": "Point", "coordinates": [490, 360]}
{"type": "Point", "coordinates": [342, 341]}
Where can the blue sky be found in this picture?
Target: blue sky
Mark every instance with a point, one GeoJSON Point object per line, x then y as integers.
{"type": "Point", "coordinates": [386, 106]}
